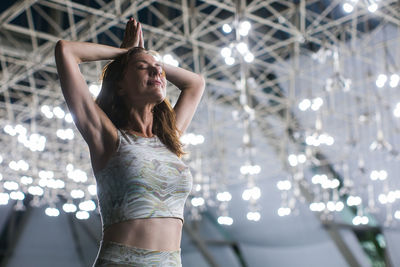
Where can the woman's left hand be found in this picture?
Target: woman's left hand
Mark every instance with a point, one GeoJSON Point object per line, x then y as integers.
{"type": "Point", "coordinates": [133, 35]}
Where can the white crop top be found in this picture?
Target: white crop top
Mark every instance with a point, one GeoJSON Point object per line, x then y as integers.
{"type": "Point", "coordinates": [142, 179]}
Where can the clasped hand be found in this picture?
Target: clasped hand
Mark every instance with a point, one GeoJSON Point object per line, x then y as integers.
{"type": "Point", "coordinates": [133, 35]}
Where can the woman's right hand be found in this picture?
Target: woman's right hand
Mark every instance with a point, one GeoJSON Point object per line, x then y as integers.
{"type": "Point", "coordinates": [133, 35]}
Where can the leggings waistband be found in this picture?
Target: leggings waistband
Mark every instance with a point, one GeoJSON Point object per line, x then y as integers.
{"type": "Point", "coordinates": [102, 243]}
{"type": "Point", "coordinates": [118, 254]}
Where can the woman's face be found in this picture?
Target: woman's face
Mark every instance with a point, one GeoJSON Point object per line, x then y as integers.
{"type": "Point", "coordinates": [144, 80]}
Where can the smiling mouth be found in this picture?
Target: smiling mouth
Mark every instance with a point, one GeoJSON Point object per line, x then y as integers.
{"type": "Point", "coordinates": [154, 83]}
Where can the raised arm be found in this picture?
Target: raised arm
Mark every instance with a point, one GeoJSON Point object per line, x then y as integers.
{"type": "Point", "coordinates": [95, 127]}
{"type": "Point", "coordinates": [192, 88]}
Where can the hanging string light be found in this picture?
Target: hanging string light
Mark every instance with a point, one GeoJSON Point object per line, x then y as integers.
{"type": "Point", "coordinates": [238, 48]}
{"type": "Point", "coordinates": [331, 194]}
{"type": "Point", "coordinates": [350, 5]}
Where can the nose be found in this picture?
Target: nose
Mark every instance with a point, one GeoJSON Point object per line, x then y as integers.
{"type": "Point", "coordinates": [155, 70]}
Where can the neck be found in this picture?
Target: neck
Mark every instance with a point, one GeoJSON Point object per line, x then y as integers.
{"type": "Point", "coordinates": [141, 120]}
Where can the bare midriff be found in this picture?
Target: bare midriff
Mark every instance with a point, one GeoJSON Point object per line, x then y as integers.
{"type": "Point", "coordinates": [163, 234]}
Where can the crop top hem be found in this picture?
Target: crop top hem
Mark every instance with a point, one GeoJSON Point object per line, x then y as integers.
{"type": "Point", "coordinates": [131, 219]}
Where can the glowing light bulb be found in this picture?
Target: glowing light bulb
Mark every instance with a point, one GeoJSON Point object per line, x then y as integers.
{"type": "Point", "coordinates": [226, 28]}
{"type": "Point", "coordinates": [242, 48]}
{"type": "Point", "coordinates": [229, 61]}
{"type": "Point", "coordinates": [348, 8]}
{"type": "Point", "coordinates": [226, 52]}
{"type": "Point", "coordinates": [373, 7]}
{"type": "Point", "coordinates": [249, 57]}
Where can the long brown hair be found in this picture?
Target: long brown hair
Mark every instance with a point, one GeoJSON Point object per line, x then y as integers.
{"type": "Point", "coordinates": [164, 120]}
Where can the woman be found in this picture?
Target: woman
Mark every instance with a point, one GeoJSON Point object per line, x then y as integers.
{"type": "Point", "coordinates": [133, 137]}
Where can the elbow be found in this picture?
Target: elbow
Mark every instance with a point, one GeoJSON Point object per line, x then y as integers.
{"type": "Point", "coordinates": [60, 46]}
{"type": "Point", "coordinates": [60, 49]}
{"type": "Point", "coordinates": [202, 82]}
{"type": "Point", "coordinates": [64, 49]}
{"type": "Point", "coordinates": [196, 84]}
{"type": "Point", "coordinates": [60, 43]}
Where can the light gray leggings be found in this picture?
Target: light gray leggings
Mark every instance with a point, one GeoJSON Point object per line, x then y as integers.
{"type": "Point", "coordinates": [112, 254]}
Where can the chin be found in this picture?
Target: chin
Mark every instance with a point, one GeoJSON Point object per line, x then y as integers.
{"type": "Point", "coordinates": [160, 97]}
{"type": "Point", "coordinates": [160, 100]}
{"type": "Point", "coordinates": [157, 99]}
{"type": "Point", "coordinates": [157, 96]}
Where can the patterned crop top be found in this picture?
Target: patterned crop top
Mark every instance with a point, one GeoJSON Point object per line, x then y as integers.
{"type": "Point", "coordinates": [142, 179]}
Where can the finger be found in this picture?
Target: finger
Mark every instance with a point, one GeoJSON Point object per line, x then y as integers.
{"type": "Point", "coordinates": [137, 35]}
{"type": "Point", "coordinates": [127, 25]}
{"type": "Point", "coordinates": [131, 29]}
{"type": "Point", "coordinates": [141, 40]}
